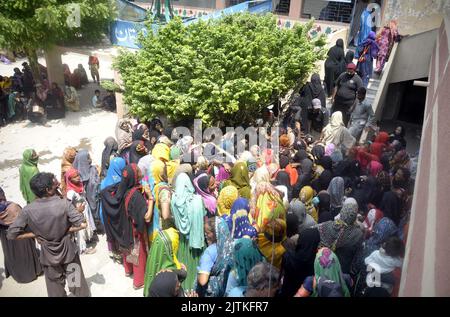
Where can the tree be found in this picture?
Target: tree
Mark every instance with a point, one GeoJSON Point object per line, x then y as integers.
{"type": "Point", "coordinates": [220, 70]}
{"type": "Point", "coordinates": [29, 25]}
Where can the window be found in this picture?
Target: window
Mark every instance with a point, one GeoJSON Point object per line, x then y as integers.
{"type": "Point", "coordinates": [336, 11]}
{"type": "Point", "coordinates": [281, 7]}
{"type": "Point", "coordinates": [207, 4]}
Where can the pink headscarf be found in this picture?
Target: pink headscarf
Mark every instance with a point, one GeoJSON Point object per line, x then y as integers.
{"type": "Point", "coordinates": [374, 168]}
{"type": "Point", "coordinates": [209, 200]}
{"type": "Point", "coordinates": [372, 218]}
{"type": "Point", "coordinates": [268, 156]}
{"type": "Point", "coordinates": [223, 175]}
{"type": "Point", "coordinates": [329, 149]}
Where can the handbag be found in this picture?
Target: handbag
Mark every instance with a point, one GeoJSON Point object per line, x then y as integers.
{"type": "Point", "coordinates": [133, 255]}
{"type": "Point", "coordinates": [38, 109]}
{"type": "Point", "coordinates": [362, 57]}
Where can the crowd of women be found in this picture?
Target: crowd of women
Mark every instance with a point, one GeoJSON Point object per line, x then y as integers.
{"type": "Point", "coordinates": [306, 220]}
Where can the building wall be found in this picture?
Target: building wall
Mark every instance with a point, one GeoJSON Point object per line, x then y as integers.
{"type": "Point", "coordinates": [413, 57]}
{"type": "Point", "coordinates": [425, 271]}
{"type": "Point", "coordinates": [415, 16]}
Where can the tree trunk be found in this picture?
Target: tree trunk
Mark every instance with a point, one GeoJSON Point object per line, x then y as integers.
{"type": "Point", "coordinates": [54, 63]}
{"type": "Point", "coordinates": [34, 65]}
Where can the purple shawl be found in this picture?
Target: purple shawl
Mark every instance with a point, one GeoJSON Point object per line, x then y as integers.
{"type": "Point", "coordinates": [222, 175]}
{"type": "Point", "coordinates": [370, 40]}
{"type": "Point", "coordinates": [209, 200]}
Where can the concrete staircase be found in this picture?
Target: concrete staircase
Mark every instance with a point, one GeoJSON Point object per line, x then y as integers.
{"type": "Point", "coordinates": [372, 89]}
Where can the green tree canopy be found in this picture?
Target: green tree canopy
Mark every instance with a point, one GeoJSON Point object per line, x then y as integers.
{"type": "Point", "coordinates": [219, 70]}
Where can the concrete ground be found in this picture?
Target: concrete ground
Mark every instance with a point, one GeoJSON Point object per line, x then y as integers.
{"type": "Point", "coordinates": [86, 129]}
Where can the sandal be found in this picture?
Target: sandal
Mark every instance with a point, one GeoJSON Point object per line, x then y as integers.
{"type": "Point", "coordinates": [90, 251]}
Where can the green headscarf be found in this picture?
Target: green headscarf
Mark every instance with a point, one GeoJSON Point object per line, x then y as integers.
{"type": "Point", "coordinates": [162, 256]}
{"type": "Point", "coordinates": [12, 105]}
{"type": "Point", "coordinates": [27, 170]}
{"type": "Point", "coordinates": [240, 179]}
{"type": "Point", "coordinates": [188, 210]}
{"type": "Point", "coordinates": [246, 256]}
{"type": "Point", "coordinates": [327, 266]}
{"type": "Point", "coordinates": [175, 152]}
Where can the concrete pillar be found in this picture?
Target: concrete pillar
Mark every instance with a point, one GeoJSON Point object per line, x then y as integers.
{"type": "Point", "coordinates": [222, 4]}
{"type": "Point", "coordinates": [54, 66]}
{"type": "Point", "coordinates": [121, 108]}
{"type": "Point", "coordinates": [295, 9]}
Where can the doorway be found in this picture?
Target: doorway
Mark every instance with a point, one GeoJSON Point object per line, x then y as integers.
{"type": "Point", "coordinates": [412, 104]}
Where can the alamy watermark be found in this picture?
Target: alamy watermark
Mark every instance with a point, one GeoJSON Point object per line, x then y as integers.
{"type": "Point", "coordinates": [373, 278]}
{"type": "Point", "coordinates": [73, 275]}
{"type": "Point", "coordinates": [229, 146]}
{"type": "Point", "coordinates": [374, 19]}
{"type": "Point", "coordinates": [74, 15]}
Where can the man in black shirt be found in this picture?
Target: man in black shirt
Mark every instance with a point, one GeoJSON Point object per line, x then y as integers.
{"type": "Point", "coordinates": [344, 96]}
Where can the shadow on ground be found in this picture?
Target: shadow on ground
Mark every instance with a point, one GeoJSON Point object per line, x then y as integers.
{"type": "Point", "coordinates": [2, 277]}
{"type": "Point", "coordinates": [96, 279]}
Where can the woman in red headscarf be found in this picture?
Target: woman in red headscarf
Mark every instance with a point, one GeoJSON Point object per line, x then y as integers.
{"type": "Point", "coordinates": [77, 195]}
{"type": "Point", "coordinates": [364, 157]}
{"type": "Point", "coordinates": [381, 143]}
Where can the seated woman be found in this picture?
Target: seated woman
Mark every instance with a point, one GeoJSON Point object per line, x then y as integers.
{"type": "Point", "coordinates": [216, 261]}
{"type": "Point", "coordinates": [383, 262]}
{"type": "Point", "coordinates": [246, 256]}
{"type": "Point", "coordinates": [75, 79]}
{"type": "Point", "coordinates": [83, 75]}
{"type": "Point", "coordinates": [55, 105]}
{"type": "Point", "coordinates": [109, 102]}
{"type": "Point", "coordinates": [71, 98]}
{"type": "Point", "coordinates": [328, 279]}
{"type": "Point", "coordinates": [67, 74]}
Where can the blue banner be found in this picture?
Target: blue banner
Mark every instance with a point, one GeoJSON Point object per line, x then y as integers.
{"type": "Point", "coordinates": [261, 7]}
{"type": "Point", "coordinates": [125, 33]}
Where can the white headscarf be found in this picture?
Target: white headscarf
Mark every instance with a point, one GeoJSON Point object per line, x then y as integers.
{"type": "Point", "coordinates": [333, 131]}
{"type": "Point", "coordinates": [336, 132]}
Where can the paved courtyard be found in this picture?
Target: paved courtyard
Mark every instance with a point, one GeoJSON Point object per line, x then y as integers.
{"type": "Point", "coordinates": [87, 129]}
